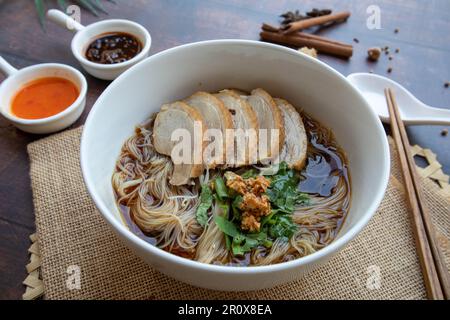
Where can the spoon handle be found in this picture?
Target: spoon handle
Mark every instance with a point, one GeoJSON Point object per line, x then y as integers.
{"type": "Point", "coordinates": [434, 116]}
{"type": "Point", "coordinates": [6, 68]}
{"type": "Point", "coordinates": [64, 20]}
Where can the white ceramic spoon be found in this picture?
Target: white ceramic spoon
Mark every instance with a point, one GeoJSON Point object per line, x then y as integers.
{"type": "Point", "coordinates": [413, 111]}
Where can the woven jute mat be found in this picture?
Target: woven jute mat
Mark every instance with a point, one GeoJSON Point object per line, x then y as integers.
{"type": "Point", "coordinates": [381, 263]}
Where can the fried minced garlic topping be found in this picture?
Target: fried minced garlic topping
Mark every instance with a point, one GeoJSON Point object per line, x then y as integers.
{"type": "Point", "coordinates": [236, 182]}
{"type": "Point", "coordinates": [255, 204]}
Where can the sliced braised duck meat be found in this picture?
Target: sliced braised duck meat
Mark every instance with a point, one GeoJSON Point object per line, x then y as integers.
{"type": "Point", "coordinates": [216, 116]}
{"type": "Point", "coordinates": [175, 116]}
{"type": "Point", "coordinates": [269, 118]}
{"type": "Point", "coordinates": [244, 118]}
{"type": "Point", "coordinates": [296, 141]}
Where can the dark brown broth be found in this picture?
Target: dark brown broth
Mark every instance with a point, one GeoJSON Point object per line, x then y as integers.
{"type": "Point", "coordinates": [326, 163]}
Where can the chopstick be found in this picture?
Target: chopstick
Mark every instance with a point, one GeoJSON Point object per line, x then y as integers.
{"type": "Point", "coordinates": [434, 270]}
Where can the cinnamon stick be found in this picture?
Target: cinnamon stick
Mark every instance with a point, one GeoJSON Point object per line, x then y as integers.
{"type": "Point", "coordinates": [320, 38]}
{"type": "Point", "coordinates": [270, 28]}
{"type": "Point", "coordinates": [300, 40]}
{"type": "Point", "coordinates": [304, 24]}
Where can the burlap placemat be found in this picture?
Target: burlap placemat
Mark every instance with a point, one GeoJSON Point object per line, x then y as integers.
{"type": "Point", "coordinates": [381, 263]}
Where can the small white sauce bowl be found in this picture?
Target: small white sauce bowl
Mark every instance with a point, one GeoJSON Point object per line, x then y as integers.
{"type": "Point", "coordinates": [85, 35]}
{"type": "Point", "coordinates": [17, 79]}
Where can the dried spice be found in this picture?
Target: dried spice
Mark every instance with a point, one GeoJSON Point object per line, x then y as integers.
{"type": "Point", "coordinates": [374, 54]}
{"type": "Point", "coordinates": [309, 51]}
{"type": "Point", "coordinates": [299, 40]}
{"type": "Point", "coordinates": [293, 16]}
{"type": "Point", "coordinates": [290, 33]}
{"type": "Point", "coordinates": [318, 13]}
{"type": "Point", "coordinates": [396, 30]}
{"type": "Point", "coordinates": [397, 50]}
{"type": "Point", "coordinates": [389, 70]}
{"type": "Point", "coordinates": [356, 40]}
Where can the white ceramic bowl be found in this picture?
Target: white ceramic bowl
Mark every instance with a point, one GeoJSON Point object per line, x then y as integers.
{"type": "Point", "coordinates": [85, 35]}
{"type": "Point", "coordinates": [211, 66]}
{"type": "Point", "coordinates": [18, 78]}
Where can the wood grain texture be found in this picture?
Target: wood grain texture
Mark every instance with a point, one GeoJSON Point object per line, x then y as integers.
{"type": "Point", "coordinates": [422, 66]}
{"type": "Point", "coordinates": [423, 243]}
{"type": "Point", "coordinates": [416, 197]}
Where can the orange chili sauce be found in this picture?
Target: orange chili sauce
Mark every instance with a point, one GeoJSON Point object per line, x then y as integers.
{"type": "Point", "coordinates": [43, 98]}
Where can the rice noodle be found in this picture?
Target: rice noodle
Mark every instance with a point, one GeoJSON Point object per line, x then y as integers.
{"type": "Point", "coordinates": [158, 208]}
{"type": "Point", "coordinates": [279, 249]}
{"type": "Point", "coordinates": [211, 246]}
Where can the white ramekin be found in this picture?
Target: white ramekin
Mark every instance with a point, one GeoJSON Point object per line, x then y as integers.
{"type": "Point", "coordinates": [85, 35]}
{"type": "Point", "coordinates": [18, 78]}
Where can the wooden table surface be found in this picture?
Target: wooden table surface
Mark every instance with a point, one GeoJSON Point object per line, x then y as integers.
{"type": "Point", "coordinates": [422, 66]}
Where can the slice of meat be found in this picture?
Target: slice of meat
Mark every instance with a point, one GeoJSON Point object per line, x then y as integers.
{"type": "Point", "coordinates": [175, 116]}
{"type": "Point", "coordinates": [296, 142]}
{"type": "Point", "coordinates": [269, 118]}
{"type": "Point", "coordinates": [244, 117]}
{"type": "Point", "coordinates": [216, 116]}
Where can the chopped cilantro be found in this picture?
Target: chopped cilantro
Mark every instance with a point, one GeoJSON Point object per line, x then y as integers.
{"type": "Point", "coordinates": [252, 173]}
{"type": "Point", "coordinates": [220, 188]}
{"type": "Point", "coordinates": [206, 200]}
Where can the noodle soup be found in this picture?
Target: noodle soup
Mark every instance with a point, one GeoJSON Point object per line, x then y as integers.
{"type": "Point", "coordinates": [297, 222]}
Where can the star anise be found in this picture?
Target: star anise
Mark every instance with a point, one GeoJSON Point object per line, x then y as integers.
{"type": "Point", "coordinates": [293, 16]}
{"type": "Point", "coordinates": [318, 13]}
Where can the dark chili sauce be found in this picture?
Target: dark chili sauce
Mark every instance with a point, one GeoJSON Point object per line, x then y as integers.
{"type": "Point", "coordinates": [114, 47]}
